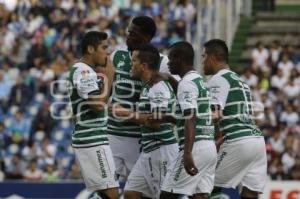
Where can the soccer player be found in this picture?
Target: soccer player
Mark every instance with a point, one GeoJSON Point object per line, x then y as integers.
{"type": "Point", "coordinates": [242, 156]}
{"type": "Point", "coordinates": [124, 136]}
{"type": "Point", "coordinates": [192, 173]}
{"type": "Point", "coordinates": [89, 93]}
{"type": "Point", "coordinates": [157, 104]}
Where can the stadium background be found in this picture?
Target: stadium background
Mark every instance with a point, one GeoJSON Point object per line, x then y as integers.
{"type": "Point", "coordinates": [40, 41]}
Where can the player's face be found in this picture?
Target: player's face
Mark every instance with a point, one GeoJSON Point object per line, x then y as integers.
{"type": "Point", "coordinates": [136, 64]}
{"type": "Point", "coordinates": [100, 55]}
{"type": "Point", "coordinates": [134, 36]}
{"type": "Point", "coordinates": [207, 63]}
{"type": "Point", "coordinates": [174, 63]}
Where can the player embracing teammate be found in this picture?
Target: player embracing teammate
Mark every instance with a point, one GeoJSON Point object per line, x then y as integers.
{"type": "Point", "coordinates": [143, 141]}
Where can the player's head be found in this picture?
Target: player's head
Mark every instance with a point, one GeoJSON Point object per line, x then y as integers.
{"type": "Point", "coordinates": [215, 55]}
{"type": "Point", "coordinates": [181, 56]}
{"type": "Point", "coordinates": [140, 30]}
{"type": "Point", "coordinates": [145, 58]}
{"type": "Point", "coordinates": [94, 44]}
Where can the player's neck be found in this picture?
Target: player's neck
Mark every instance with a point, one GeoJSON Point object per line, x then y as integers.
{"type": "Point", "coordinates": [88, 61]}
{"type": "Point", "coordinates": [221, 66]}
{"type": "Point", "coordinates": [149, 77]}
{"type": "Point", "coordinates": [185, 70]}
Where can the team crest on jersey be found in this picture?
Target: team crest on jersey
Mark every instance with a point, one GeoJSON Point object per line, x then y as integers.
{"type": "Point", "coordinates": [187, 96]}
{"type": "Point", "coordinates": [158, 97]}
{"type": "Point", "coordinates": [145, 92]}
{"type": "Point", "coordinates": [120, 64]}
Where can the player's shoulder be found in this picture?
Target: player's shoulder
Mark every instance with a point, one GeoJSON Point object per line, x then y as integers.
{"type": "Point", "coordinates": [161, 87]}
{"type": "Point", "coordinates": [190, 77]}
{"type": "Point", "coordinates": [188, 81]}
{"type": "Point", "coordinates": [81, 66]}
{"type": "Point", "coordinates": [219, 76]}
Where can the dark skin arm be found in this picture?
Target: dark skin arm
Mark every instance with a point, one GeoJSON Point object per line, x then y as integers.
{"type": "Point", "coordinates": [159, 117]}
{"type": "Point", "coordinates": [189, 165]}
{"type": "Point", "coordinates": [139, 118]}
{"type": "Point", "coordinates": [216, 116]}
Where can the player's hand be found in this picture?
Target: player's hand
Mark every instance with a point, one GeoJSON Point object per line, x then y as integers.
{"type": "Point", "coordinates": [109, 68]}
{"type": "Point", "coordinates": [119, 111]}
{"type": "Point", "coordinates": [152, 123]}
{"type": "Point", "coordinates": [189, 165]}
{"type": "Point", "coordinates": [219, 142]}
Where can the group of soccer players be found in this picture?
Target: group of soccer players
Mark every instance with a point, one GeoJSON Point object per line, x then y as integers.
{"type": "Point", "coordinates": [150, 121]}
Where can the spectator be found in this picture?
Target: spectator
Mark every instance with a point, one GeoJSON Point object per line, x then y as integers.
{"type": "Point", "coordinates": [110, 13]}
{"type": "Point", "coordinates": [74, 173]}
{"type": "Point", "coordinates": [250, 78]}
{"type": "Point", "coordinates": [286, 65]}
{"type": "Point", "coordinates": [288, 160]}
{"type": "Point", "coordinates": [51, 175]}
{"type": "Point", "coordinates": [5, 139]}
{"type": "Point", "coordinates": [20, 94]}
{"type": "Point", "coordinates": [289, 116]}
{"type": "Point", "coordinates": [276, 170]}
{"type": "Point", "coordinates": [16, 168]}
{"type": "Point", "coordinates": [43, 121]}
{"type": "Point", "coordinates": [291, 90]}
{"type": "Point", "coordinates": [33, 173]}
{"type": "Point", "coordinates": [37, 51]}
{"type": "Point", "coordinates": [45, 153]}
{"type": "Point", "coordinates": [5, 88]}
{"type": "Point", "coordinates": [277, 142]}
{"type": "Point", "coordinates": [278, 81]}
{"type": "Point", "coordinates": [275, 51]}
{"type": "Point", "coordinates": [260, 56]}
{"type": "Point", "coordinates": [19, 128]}
{"type": "Point", "coordinates": [269, 120]}
{"type": "Point", "coordinates": [294, 173]}
{"type": "Point", "coordinates": [10, 73]}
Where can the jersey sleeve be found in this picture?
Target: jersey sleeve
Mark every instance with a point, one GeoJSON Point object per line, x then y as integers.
{"type": "Point", "coordinates": [164, 68]}
{"type": "Point", "coordinates": [219, 89]}
{"type": "Point", "coordinates": [86, 82]}
{"type": "Point", "coordinates": [187, 95]}
{"type": "Point", "coordinates": [159, 96]}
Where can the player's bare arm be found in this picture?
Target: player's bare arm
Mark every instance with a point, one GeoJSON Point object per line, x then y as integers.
{"type": "Point", "coordinates": [189, 165]}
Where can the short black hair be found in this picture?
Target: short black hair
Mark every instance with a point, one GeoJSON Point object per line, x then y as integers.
{"type": "Point", "coordinates": [92, 38]}
{"type": "Point", "coordinates": [146, 24]}
{"type": "Point", "coordinates": [148, 54]}
{"type": "Point", "coordinates": [218, 48]}
{"type": "Point", "coordinates": [184, 50]}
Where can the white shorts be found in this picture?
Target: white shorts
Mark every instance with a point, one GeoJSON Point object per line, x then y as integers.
{"type": "Point", "coordinates": [242, 162]}
{"type": "Point", "coordinates": [179, 181]}
{"type": "Point", "coordinates": [97, 167]}
{"type": "Point", "coordinates": [149, 171]}
{"type": "Point", "coordinates": [126, 151]}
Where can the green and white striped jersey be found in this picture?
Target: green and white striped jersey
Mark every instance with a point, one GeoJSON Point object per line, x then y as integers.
{"type": "Point", "coordinates": [193, 96]}
{"type": "Point", "coordinates": [234, 96]}
{"type": "Point", "coordinates": [126, 92]}
{"type": "Point", "coordinates": [157, 98]}
{"type": "Point", "coordinates": [90, 127]}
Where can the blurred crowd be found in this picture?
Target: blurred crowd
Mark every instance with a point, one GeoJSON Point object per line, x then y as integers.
{"type": "Point", "coordinates": [274, 77]}
{"type": "Point", "coordinates": [39, 41]}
